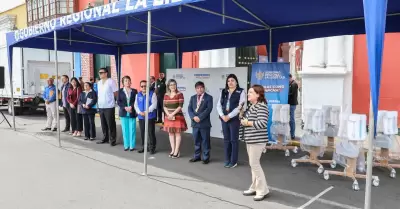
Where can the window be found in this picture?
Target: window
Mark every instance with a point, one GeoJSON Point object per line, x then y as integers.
{"type": "Point", "coordinates": [44, 10]}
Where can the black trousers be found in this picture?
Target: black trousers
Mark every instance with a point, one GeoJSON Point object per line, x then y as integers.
{"type": "Point", "coordinates": [76, 120]}
{"type": "Point", "coordinates": [108, 125]}
{"type": "Point", "coordinates": [67, 114]}
{"type": "Point", "coordinates": [152, 142]}
{"type": "Point", "coordinates": [90, 126]}
{"type": "Point", "coordinates": [160, 108]}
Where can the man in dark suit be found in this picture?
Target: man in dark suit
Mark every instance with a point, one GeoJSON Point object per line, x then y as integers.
{"type": "Point", "coordinates": [65, 105]}
{"type": "Point", "coordinates": [152, 83]}
{"type": "Point", "coordinates": [199, 109]}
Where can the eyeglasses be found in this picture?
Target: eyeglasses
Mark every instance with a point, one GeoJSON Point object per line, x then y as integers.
{"type": "Point", "coordinates": [143, 86]}
{"type": "Point", "coordinates": [102, 72]}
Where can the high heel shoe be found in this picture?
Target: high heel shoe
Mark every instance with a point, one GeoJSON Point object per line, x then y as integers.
{"type": "Point", "coordinates": [177, 155]}
{"type": "Point", "coordinates": [171, 154]}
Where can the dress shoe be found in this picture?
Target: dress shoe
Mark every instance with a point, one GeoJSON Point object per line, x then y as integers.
{"type": "Point", "coordinates": [86, 138]}
{"type": "Point", "coordinates": [102, 142]}
{"type": "Point", "coordinates": [92, 139]}
{"type": "Point", "coordinates": [177, 155]}
{"type": "Point", "coordinates": [249, 192]}
{"type": "Point", "coordinates": [260, 197]}
{"type": "Point", "coordinates": [126, 149]}
{"type": "Point", "coordinates": [152, 152]}
{"type": "Point", "coordinates": [65, 130]}
{"type": "Point", "coordinates": [113, 144]}
{"type": "Point", "coordinates": [193, 160]}
{"type": "Point", "coordinates": [46, 129]}
{"type": "Point", "coordinates": [54, 129]}
{"type": "Point", "coordinates": [141, 151]}
{"type": "Point", "coordinates": [132, 149]}
{"type": "Point", "coordinates": [205, 162]}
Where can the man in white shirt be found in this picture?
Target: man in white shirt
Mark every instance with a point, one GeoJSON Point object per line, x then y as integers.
{"type": "Point", "coordinates": [107, 92]}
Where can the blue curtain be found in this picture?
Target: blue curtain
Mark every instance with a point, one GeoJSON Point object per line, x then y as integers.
{"type": "Point", "coordinates": [375, 23]}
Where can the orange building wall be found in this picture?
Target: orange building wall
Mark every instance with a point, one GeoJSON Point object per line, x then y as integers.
{"type": "Point", "coordinates": [134, 65]}
{"type": "Point", "coordinates": [190, 60]}
{"type": "Point", "coordinates": [389, 93]}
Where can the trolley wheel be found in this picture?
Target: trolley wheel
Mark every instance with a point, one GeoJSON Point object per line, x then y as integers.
{"type": "Point", "coordinates": [355, 186]}
{"type": "Point", "coordinates": [294, 163]}
{"type": "Point", "coordinates": [375, 181]}
{"type": "Point", "coordinates": [393, 173]}
{"type": "Point", "coordinates": [320, 169]}
{"type": "Point", "coordinates": [326, 175]}
{"type": "Point", "coordinates": [333, 164]}
{"type": "Point", "coordinates": [287, 153]}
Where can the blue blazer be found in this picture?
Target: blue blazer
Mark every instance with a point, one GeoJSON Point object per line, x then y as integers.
{"type": "Point", "coordinates": [203, 112]}
{"type": "Point", "coordinates": [122, 103]}
{"type": "Point", "coordinates": [82, 100]}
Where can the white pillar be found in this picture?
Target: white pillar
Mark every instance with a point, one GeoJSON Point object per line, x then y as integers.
{"type": "Point", "coordinates": [217, 56]}
{"type": "Point", "coordinates": [205, 59]}
{"type": "Point", "coordinates": [336, 52]}
{"type": "Point", "coordinates": [314, 53]}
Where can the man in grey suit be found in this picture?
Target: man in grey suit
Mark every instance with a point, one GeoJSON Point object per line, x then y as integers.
{"type": "Point", "coordinates": [199, 110]}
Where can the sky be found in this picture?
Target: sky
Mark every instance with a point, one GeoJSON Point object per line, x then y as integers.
{"type": "Point", "coordinates": [7, 5]}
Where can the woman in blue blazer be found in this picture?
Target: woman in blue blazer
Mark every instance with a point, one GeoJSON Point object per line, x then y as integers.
{"type": "Point", "coordinates": [87, 101]}
{"type": "Point", "coordinates": [127, 113]}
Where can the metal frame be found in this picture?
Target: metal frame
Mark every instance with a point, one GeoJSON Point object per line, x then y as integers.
{"type": "Point", "coordinates": [170, 37]}
{"type": "Point", "coordinates": [57, 93]}
{"type": "Point", "coordinates": [146, 123]}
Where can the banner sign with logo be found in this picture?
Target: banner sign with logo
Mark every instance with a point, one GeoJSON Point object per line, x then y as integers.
{"type": "Point", "coordinates": [118, 8]}
{"type": "Point", "coordinates": [274, 77]}
{"type": "Point", "coordinates": [214, 80]}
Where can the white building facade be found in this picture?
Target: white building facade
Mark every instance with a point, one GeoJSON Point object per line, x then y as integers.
{"type": "Point", "coordinates": [327, 72]}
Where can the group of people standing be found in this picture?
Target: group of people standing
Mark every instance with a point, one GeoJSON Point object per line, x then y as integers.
{"type": "Point", "coordinates": [241, 118]}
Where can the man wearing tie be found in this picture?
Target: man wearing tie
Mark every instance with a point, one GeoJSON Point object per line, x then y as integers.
{"type": "Point", "coordinates": [199, 109]}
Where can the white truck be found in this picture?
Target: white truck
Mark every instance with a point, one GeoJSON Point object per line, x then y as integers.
{"type": "Point", "coordinates": [31, 69]}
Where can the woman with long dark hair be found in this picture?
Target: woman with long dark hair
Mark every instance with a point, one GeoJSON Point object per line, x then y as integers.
{"type": "Point", "coordinates": [174, 122]}
{"type": "Point", "coordinates": [73, 96]}
{"type": "Point", "coordinates": [254, 132]}
{"type": "Point", "coordinates": [230, 103]}
{"type": "Point", "coordinates": [87, 101]}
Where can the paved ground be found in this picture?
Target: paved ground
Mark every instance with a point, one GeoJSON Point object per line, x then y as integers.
{"type": "Point", "coordinates": [36, 174]}
{"type": "Point", "coordinates": [293, 187]}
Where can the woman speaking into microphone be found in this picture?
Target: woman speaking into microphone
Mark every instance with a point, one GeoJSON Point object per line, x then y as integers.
{"type": "Point", "coordinates": [230, 103]}
{"type": "Point", "coordinates": [254, 132]}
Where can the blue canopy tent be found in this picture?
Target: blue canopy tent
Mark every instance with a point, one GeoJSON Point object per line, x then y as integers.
{"type": "Point", "coordinates": [179, 26]}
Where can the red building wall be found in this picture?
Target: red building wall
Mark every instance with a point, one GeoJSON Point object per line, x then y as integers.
{"type": "Point", "coordinates": [389, 93]}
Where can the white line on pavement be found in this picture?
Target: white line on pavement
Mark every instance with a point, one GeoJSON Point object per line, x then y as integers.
{"type": "Point", "coordinates": [324, 201]}
{"type": "Point", "coordinates": [315, 198]}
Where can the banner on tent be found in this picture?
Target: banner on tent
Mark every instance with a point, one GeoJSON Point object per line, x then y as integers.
{"type": "Point", "coordinates": [214, 80]}
{"type": "Point", "coordinates": [274, 77]}
{"type": "Point", "coordinates": [97, 13]}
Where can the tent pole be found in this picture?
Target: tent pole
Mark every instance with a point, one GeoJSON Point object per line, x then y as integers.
{"type": "Point", "coordinates": [57, 93]}
{"type": "Point", "coordinates": [119, 67]}
{"type": "Point", "coordinates": [177, 54]}
{"type": "Point", "coordinates": [146, 123]}
{"type": "Point", "coordinates": [12, 98]}
{"type": "Point", "coordinates": [371, 125]}
{"type": "Point", "coordinates": [270, 46]}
